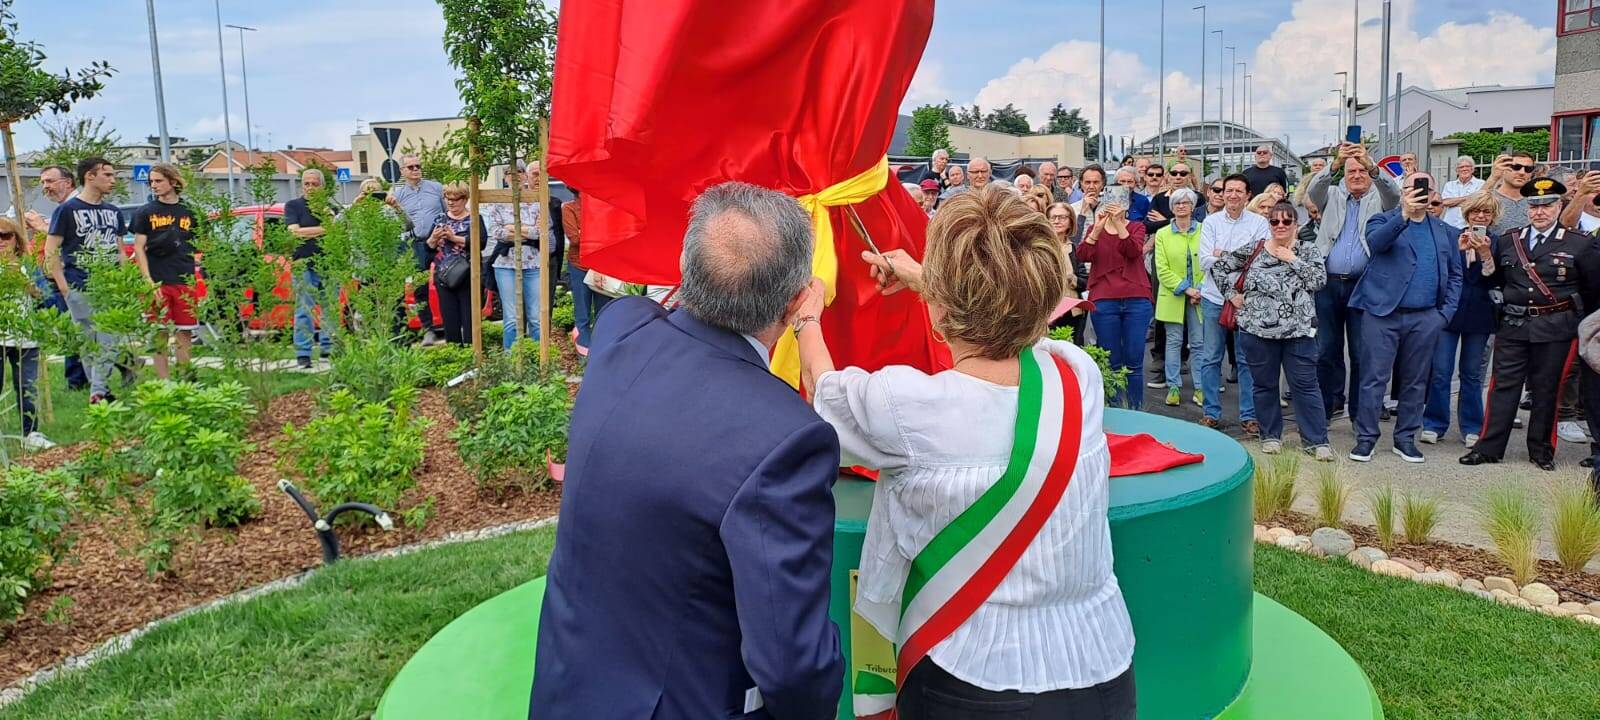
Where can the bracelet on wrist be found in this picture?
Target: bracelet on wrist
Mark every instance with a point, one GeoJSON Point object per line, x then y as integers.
{"type": "Point", "coordinates": [800, 323]}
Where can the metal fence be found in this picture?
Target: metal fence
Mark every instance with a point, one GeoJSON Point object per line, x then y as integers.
{"type": "Point", "coordinates": [285, 187]}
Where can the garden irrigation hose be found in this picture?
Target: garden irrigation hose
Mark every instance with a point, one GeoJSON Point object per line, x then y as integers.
{"type": "Point", "coordinates": [323, 525]}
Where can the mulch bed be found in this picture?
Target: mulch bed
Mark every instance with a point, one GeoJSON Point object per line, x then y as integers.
{"type": "Point", "coordinates": [111, 594]}
{"type": "Point", "coordinates": [1467, 560]}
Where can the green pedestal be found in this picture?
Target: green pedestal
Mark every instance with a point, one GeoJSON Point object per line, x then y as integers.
{"type": "Point", "coordinates": [1182, 549]}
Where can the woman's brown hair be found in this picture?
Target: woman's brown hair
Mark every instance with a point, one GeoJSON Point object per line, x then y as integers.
{"type": "Point", "coordinates": [1072, 218]}
{"type": "Point", "coordinates": [996, 267]}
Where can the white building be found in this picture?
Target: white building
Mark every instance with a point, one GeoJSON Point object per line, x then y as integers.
{"type": "Point", "coordinates": [1481, 108]}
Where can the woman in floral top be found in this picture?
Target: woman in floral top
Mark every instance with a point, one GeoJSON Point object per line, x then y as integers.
{"type": "Point", "coordinates": [1277, 324]}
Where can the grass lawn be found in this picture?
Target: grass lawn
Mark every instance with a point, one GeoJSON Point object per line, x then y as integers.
{"type": "Point", "coordinates": [328, 649]}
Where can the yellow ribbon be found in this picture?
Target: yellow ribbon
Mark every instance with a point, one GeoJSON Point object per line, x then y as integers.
{"type": "Point", "coordinates": [824, 256]}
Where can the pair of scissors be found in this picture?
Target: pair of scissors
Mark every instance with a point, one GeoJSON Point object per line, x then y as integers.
{"type": "Point", "coordinates": [861, 229]}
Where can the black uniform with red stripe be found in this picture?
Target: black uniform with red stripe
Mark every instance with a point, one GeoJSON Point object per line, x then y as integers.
{"type": "Point", "coordinates": [1534, 341]}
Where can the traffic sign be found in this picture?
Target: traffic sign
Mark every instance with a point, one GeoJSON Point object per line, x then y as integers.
{"type": "Point", "coordinates": [141, 173]}
{"type": "Point", "coordinates": [343, 175]}
{"type": "Point", "coordinates": [1393, 166]}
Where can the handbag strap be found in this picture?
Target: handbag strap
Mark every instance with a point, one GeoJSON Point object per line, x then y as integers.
{"type": "Point", "coordinates": [1238, 285]}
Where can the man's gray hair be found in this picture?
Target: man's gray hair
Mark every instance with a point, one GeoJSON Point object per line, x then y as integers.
{"type": "Point", "coordinates": [313, 171]}
{"type": "Point", "coordinates": [941, 152]}
{"type": "Point", "coordinates": [60, 170]}
{"type": "Point", "coordinates": [1128, 170]}
{"type": "Point", "coordinates": [740, 280]}
{"type": "Point", "coordinates": [1182, 195]}
{"type": "Point", "coordinates": [1465, 159]}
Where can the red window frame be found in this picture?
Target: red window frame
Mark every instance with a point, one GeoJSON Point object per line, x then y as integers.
{"type": "Point", "coordinates": [1589, 137]}
{"type": "Point", "coordinates": [1561, 18]}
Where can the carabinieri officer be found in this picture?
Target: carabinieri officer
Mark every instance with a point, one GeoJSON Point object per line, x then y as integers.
{"type": "Point", "coordinates": [1544, 272]}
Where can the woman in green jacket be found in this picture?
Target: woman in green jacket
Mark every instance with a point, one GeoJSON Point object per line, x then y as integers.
{"type": "Point", "coordinates": [1177, 256]}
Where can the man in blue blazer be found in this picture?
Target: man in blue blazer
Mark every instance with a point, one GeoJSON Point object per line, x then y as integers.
{"type": "Point", "coordinates": [690, 577]}
{"type": "Point", "coordinates": [1408, 293]}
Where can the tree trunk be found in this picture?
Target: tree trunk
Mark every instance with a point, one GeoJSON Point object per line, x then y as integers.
{"type": "Point", "coordinates": [522, 321]}
{"type": "Point", "coordinates": [14, 176]}
{"type": "Point", "coordinates": [475, 250]}
{"type": "Point", "coordinates": [543, 196]}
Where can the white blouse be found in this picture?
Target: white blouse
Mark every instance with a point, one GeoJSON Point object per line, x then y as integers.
{"type": "Point", "coordinates": [1057, 620]}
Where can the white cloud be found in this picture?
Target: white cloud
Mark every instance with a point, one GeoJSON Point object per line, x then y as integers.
{"type": "Point", "coordinates": [1292, 70]}
{"type": "Point", "coordinates": [927, 86]}
{"type": "Point", "coordinates": [212, 127]}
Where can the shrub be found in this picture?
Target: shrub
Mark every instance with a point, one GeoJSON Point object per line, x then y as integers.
{"type": "Point", "coordinates": [1382, 504]}
{"type": "Point", "coordinates": [1274, 485]}
{"type": "Point", "coordinates": [561, 313]}
{"type": "Point", "coordinates": [1574, 525]}
{"type": "Point", "coordinates": [358, 451]}
{"type": "Point", "coordinates": [1333, 494]}
{"type": "Point", "coordinates": [1418, 517]}
{"type": "Point", "coordinates": [1511, 520]}
{"type": "Point", "coordinates": [521, 426]}
{"type": "Point", "coordinates": [446, 362]}
{"type": "Point", "coordinates": [520, 366]}
{"type": "Point", "coordinates": [372, 369]}
{"type": "Point", "coordinates": [1115, 381]}
{"type": "Point", "coordinates": [35, 508]}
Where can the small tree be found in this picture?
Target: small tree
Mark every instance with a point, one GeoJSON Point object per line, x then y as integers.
{"type": "Point", "coordinates": [70, 139]}
{"type": "Point", "coordinates": [444, 161]}
{"type": "Point", "coordinates": [1071, 122]}
{"type": "Point", "coordinates": [504, 50]}
{"type": "Point", "coordinates": [929, 131]}
{"type": "Point", "coordinates": [1009, 119]}
{"type": "Point", "coordinates": [26, 89]}
{"type": "Point", "coordinates": [262, 191]}
{"type": "Point", "coordinates": [969, 116]}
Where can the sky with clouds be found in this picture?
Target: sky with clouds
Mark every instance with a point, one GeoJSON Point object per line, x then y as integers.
{"type": "Point", "coordinates": [317, 68]}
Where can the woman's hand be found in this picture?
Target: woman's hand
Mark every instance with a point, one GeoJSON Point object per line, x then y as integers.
{"type": "Point", "coordinates": [1237, 300]}
{"type": "Point", "coordinates": [1154, 216]}
{"type": "Point", "coordinates": [895, 270]}
{"type": "Point", "coordinates": [1194, 295]}
{"type": "Point", "coordinates": [1284, 253]}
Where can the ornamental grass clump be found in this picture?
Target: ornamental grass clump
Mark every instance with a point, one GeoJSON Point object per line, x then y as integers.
{"type": "Point", "coordinates": [1274, 485]}
{"type": "Point", "coordinates": [1382, 504]}
{"type": "Point", "coordinates": [1574, 525]}
{"type": "Point", "coordinates": [1332, 494]}
{"type": "Point", "coordinates": [1511, 519]}
{"type": "Point", "coordinates": [1418, 517]}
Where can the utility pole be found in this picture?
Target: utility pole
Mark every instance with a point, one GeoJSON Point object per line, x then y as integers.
{"type": "Point", "coordinates": [1233, 57]}
{"type": "Point", "coordinates": [1249, 103]}
{"type": "Point", "coordinates": [1105, 146]}
{"type": "Point", "coordinates": [1219, 98]}
{"type": "Point", "coordinates": [1161, 88]}
{"type": "Point", "coordinates": [1204, 31]}
{"type": "Point", "coordinates": [161, 98]}
{"type": "Point", "coordinates": [1384, 141]}
{"type": "Point", "coordinates": [1355, 64]}
{"type": "Point", "coordinates": [1238, 114]}
{"type": "Point", "coordinates": [249, 130]}
{"type": "Point", "coordinates": [1344, 84]}
{"type": "Point", "coordinates": [227, 127]}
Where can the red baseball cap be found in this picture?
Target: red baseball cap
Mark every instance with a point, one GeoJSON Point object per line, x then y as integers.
{"type": "Point", "coordinates": [930, 184]}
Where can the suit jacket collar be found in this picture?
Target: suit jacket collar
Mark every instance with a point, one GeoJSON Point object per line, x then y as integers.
{"type": "Point", "coordinates": [725, 340]}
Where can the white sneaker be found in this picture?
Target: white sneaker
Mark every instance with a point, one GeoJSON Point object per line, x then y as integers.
{"type": "Point", "coordinates": [1470, 440]}
{"type": "Point", "coordinates": [36, 442]}
{"type": "Point", "coordinates": [1322, 453]}
{"type": "Point", "coordinates": [1571, 432]}
{"type": "Point", "coordinates": [1156, 384]}
{"type": "Point", "coordinates": [1271, 447]}
{"type": "Point", "coordinates": [1428, 436]}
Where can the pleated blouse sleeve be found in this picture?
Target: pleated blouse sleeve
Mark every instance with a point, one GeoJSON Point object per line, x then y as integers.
{"type": "Point", "coordinates": [861, 408]}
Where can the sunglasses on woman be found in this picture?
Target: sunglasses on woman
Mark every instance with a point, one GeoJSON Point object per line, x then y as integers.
{"type": "Point", "coordinates": [1280, 221]}
{"type": "Point", "coordinates": [1216, 189]}
{"type": "Point", "coordinates": [1180, 173]}
{"type": "Point", "coordinates": [7, 235]}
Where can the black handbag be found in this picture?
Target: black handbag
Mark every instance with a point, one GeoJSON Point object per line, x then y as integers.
{"type": "Point", "coordinates": [452, 271]}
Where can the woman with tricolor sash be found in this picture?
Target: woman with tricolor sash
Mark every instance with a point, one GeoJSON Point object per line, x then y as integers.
{"type": "Point", "coordinates": [987, 560]}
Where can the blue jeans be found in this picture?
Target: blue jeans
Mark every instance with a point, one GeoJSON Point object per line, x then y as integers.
{"type": "Point", "coordinates": [1119, 327]}
{"type": "Point", "coordinates": [1336, 321]}
{"type": "Point", "coordinates": [1397, 345]}
{"type": "Point", "coordinates": [586, 303]}
{"type": "Point", "coordinates": [505, 283]}
{"type": "Point", "coordinates": [1213, 349]}
{"type": "Point", "coordinates": [305, 324]}
{"type": "Point", "coordinates": [1174, 357]}
{"type": "Point", "coordinates": [1469, 409]}
{"type": "Point", "coordinates": [1295, 358]}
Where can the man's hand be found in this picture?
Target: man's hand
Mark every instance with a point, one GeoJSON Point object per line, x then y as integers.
{"type": "Point", "coordinates": [1414, 203]}
{"type": "Point", "coordinates": [896, 270]}
{"type": "Point", "coordinates": [36, 222]}
{"type": "Point", "coordinates": [1590, 185]}
{"type": "Point", "coordinates": [1502, 167]}
{"type": "Point", "coordinates": [1194, 294]}
{"type": "Point", "coordinates": [1155, 216]}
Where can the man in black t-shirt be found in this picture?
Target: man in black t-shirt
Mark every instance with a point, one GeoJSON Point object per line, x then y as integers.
{"type": "Point", "coordinates": [82, 226]}
{"type": "Point", "coordinates": [163, 245]}
{"type": "Point", "coordinates": [1264, 173]}
{"type": "Point", "coordinates": [305, 225]}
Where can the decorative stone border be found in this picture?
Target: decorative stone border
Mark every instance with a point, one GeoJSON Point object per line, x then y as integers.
{"type": "Point", "coordinates": [21, 688]}
{"type": "Point", "coordinates": [1328, 542]}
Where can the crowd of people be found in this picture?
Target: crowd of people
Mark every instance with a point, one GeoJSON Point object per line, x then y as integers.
{"type": "Point", "coordinates": [1354, 294]}
{"type": "Point", "coordinates": [436, 224]}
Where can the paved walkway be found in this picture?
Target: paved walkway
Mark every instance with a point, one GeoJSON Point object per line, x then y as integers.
{"type": "Point", "coordinates": [1461, 489]}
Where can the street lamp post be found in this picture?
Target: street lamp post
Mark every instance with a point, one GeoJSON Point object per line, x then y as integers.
{"type": "Point", "coordinates": [1219, 98]}
{"type": "Point", "coordinates": [1249, 102]}
{"type": "Point", "coordinates": [1104, 147]}
{"type": "Point", "coordinates": [249, 130]}
{"type": "Point", "coordinates": [1204, 31]}
{"type": "Point", "coordinates": [1239, 114]}
{"type": "Point", "coordinates": [227, 127]}
{"type": "Point", "coordinates": [161, 98]}
{"type": "Point", "coordinates": [1233, 56]}
{"type": "Point", "coordinates": [1161, 89]}
{"type": "Point", "coordinates": [1355, 62]}
{"type": "Point", "coordinates": [1344, 83]}
{"type": "Point", "coordinates": [1384, 141]}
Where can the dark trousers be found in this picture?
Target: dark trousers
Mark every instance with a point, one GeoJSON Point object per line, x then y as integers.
{"type": "Point", "coordinates": [1539, 366]}
{"type": "Point", "coordinates": [424, 257]}
{"type": "Point", "coordinates": [1399, 346]}
{"type": "Point", "coordinates": [1337, 322]}
{"type": "Point", "coordinates": [455, 306]}
{"type": "Point", "coordinates": [24, 364]}
{"type": "Point", "coordinates": [930, 693]}
{"type": "Point", "coordinates": [1295, 358]}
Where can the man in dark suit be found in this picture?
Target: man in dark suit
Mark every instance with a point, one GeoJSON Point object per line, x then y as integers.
{"type": "Point", "coordinates": [1547, 274]}
{"type": "Point", "coordinates": [690, 577]}
{"type": "Point", "coordinates": [1409, 291]}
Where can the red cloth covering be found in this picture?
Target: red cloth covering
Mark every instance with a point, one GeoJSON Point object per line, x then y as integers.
{"type": "Point", "coordinates": [657, 100]}
{"type": "Point", "coordinates": [1142, 453]}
